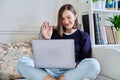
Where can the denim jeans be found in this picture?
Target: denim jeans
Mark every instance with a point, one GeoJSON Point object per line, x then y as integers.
{"type": "Point", "coordinates": [88, 68]}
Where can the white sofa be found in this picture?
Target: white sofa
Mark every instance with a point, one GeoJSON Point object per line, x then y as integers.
{"type": "Point", "coordinates": [109, 57]}
{"type": "Point", "coordinates": [10, 52]}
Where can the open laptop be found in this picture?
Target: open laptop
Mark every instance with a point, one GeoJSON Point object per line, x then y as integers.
{"type": "Point", "coordinates": [54, 53]}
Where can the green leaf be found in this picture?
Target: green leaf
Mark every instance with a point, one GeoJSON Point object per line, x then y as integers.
{"type": "Point", "coordinates": [94, 0]}
{"type": "Point", "coordinates": [110, 1]}
{"type": "Point", "coordinates": [115, 20]}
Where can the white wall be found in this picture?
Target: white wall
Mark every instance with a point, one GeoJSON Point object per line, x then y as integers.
{"type": "Point", "coordinates": [29, 12]}
{"type": "Point", "coordinates": [27, 15]}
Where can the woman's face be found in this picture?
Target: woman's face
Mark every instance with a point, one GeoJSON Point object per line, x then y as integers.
{"type": "Point", "coordinates": [68, 19]}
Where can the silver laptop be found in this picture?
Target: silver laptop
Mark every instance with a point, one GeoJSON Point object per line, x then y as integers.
{"type": "Point", "coordinates": [54, 53]}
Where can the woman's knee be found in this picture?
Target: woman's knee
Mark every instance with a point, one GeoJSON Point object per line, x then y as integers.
{"type": "Point", "coordinates": [24, 61]}
{"type": "Point", "coordinates": [92, 64]}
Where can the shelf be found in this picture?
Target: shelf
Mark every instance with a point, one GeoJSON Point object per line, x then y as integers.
{"type": "Point", "coordinates": [89, 9]}
{"type": "Point", "coordinates": [108, 45]}
{"type": "Point", "coordinates": [110, 49]}
{"type": "Point", "coordinates": [106, 54]}
{"type": "Point", "coordinates": [106, 11]}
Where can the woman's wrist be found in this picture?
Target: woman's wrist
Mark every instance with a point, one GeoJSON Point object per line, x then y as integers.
{"type": "Point", "coordinates": [46, 38]}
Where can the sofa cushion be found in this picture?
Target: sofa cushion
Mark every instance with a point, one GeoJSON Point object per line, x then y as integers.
{"type": "Point", "coordinates": [9, 54]}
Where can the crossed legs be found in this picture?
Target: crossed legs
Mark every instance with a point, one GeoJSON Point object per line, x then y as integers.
{"type": "Point", "coordinates": [87, 68]}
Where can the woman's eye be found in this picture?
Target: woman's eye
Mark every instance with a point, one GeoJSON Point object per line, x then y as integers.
{"type": "Point", "coordinates": [68, 17]}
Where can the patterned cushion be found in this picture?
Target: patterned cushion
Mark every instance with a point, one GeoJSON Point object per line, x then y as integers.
{"type": "Point", "coordinates": [9, 54]}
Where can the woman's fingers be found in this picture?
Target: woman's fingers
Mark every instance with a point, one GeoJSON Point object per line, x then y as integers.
{"type": "Point", "coordinates": [46, 30]}
{"type": "Point", "coordinates": [45, 25]}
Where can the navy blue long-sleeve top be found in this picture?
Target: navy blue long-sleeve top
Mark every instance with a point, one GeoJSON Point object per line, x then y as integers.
{"type": "Point", "coordinates": [81, 41]}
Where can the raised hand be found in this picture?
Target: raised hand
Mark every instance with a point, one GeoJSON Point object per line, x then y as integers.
{"type": "Point", "coordinates": [46, 30]}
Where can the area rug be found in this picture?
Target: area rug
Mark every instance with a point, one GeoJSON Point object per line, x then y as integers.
{"type": "Point", "coordinates": [103, 77]}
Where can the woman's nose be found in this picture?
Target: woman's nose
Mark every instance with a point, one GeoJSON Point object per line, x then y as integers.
{"type": "Point", "coordinates": [66, 21]}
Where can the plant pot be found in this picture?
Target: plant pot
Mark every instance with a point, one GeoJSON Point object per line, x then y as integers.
{"type": "Point", "coordinates": [118, 36]}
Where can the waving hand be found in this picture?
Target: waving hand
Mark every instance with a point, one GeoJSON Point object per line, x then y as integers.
{"type": "Point", "coordinates": [46, 30]}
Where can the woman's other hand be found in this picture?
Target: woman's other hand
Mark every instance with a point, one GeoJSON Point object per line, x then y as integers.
{"type": "Point", "coordinates": [46, 30]}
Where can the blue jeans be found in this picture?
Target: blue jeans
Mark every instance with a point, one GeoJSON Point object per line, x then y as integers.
{"type": "Point", "coordinates": [88, 68]}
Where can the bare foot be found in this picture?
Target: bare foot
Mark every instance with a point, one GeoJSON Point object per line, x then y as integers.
{"type": "Point", "coordinates": [48, 77]}
{"type": "Point", "coordinates": [61, 78]}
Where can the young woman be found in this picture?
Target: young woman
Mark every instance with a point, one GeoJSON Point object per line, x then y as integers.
{"type": "Point", "coordinates": [67, 28]}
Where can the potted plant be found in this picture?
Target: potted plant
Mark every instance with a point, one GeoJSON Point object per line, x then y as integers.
{"type": "Point", "coordinates": [115, 20]}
